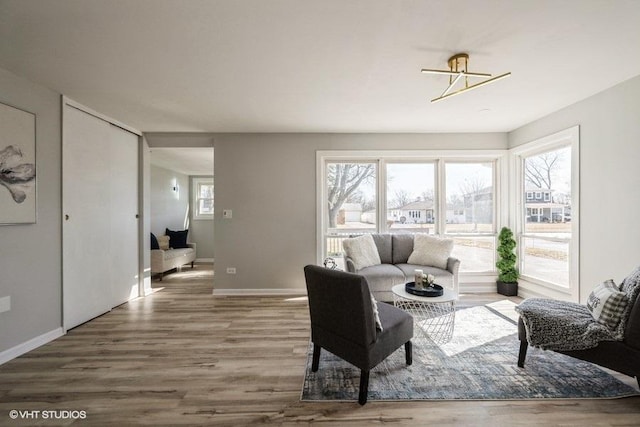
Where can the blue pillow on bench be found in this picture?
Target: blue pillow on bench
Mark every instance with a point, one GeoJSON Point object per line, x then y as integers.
{"type": "Point", "coordinates": [154, 242]}
{"type": "Point", "coordinates": [177, 239]}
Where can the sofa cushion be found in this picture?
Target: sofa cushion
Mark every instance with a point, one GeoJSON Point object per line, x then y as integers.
{"type": "Point", "coordinates": [430, 250]}
{"type": "Point", "coordinates": [402, 245]}
{"type": "Point", "coordinates": [177, 239]}
{"type": "Point", "coordinates": [383, 243]}
{"type": "Point", "coordinates": [381, 278]}
{"type": "Point", "coordinates": [163, 242]}
{"type": "Point", "coordinates": [362, 250]}
{"type": "Point", "coordinates": [443, 277]}
{"type": "Point", "coordinates": [607, 303]}
{"type": "Point", "coordinates": [154, 242]}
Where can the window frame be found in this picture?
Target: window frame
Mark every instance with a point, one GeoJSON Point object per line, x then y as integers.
{"type": "Point", "coordinates": [195, 196]}
{"type": "Point", "coordinates": [439, 157]}
{"type": "Point", "coordinates": [566, 138]}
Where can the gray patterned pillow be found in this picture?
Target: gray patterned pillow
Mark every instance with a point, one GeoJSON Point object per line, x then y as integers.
{"type": "Point", "coordinates": [607, 303]}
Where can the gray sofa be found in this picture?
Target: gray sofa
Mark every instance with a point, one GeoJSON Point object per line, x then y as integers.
{"type": "Point", "coordinates": [394, 251]}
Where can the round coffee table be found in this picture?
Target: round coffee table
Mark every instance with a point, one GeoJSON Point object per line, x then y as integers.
{"type": "Point", "coordinates": [434, 317]}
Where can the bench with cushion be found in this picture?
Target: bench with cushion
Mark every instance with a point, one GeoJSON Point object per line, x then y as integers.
{"type": "Point", "coordinates": [606, 331]}
{"type": "Point", "coordinates": [171, 251]}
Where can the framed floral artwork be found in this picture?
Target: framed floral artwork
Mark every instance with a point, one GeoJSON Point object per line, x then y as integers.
{"type": "Point", "coordinates": [17, 166]}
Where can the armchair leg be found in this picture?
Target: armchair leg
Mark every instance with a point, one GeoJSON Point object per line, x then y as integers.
{"type": "Point", "coordinates": [316, 357]}
{"type": "Point", "coordinates": [408, 352]}
{"type": "Point", "coordinates": [524, 345]}
{"type": "Point", "coordinates": [364, 387]}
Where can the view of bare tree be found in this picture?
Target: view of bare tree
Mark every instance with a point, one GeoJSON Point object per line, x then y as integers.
{"type": "Point", "coordinates": [428, 196]}
{"type": "Point", "coordinates": [343, 179]}
{"type": "Point", "coordinates": [400, 198]}
{"type": "Point", "coordinates": [540, 170]}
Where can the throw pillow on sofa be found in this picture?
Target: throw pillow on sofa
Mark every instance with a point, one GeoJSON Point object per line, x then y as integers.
{"type": "Point", "coordinates": [430, 251]}
{"type": "Point", "coordinates": [362, 250]}
{"type": "Point", "coordinates": [154, 242]}
{"type": "Point", "coordinates": [163, 243]}
{"type": "Point", "coordinates": [178, 239]}
{"type": "Point", "coordinates": [607, 303]}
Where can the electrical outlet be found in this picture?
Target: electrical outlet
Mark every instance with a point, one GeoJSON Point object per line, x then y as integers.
{"type": "Point", "coordinates": [5, 304]}
{"type": "Point", "coordinates": [231, 270]}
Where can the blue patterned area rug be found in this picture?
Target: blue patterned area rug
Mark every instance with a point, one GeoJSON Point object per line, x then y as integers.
{"type": "Point", "coordinates": [478, 363]}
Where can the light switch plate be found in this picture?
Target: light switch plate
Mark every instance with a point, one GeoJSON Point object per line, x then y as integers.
{"type": "Point", "coordinates": [227, 213]}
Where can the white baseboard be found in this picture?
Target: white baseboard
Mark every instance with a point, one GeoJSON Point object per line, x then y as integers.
{"type": "Point", "coordinates": [259, 292]}
{"type": "Point", "coordinates": [478, 288]}
{"type": "Point", "coordinates": [204, 260]}
{"type": "Point", "coordinates": [32, 344]}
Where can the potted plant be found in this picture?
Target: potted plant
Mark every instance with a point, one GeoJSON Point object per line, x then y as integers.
{"type": "Point", "coordinates": [507, 272]}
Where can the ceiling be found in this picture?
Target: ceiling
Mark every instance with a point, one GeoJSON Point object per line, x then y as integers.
{"type": "Point", "coordinates": [319, 66]}
{"type": "Point", "coordinates": [188, 161]}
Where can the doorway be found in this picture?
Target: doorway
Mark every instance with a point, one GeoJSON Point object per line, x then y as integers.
{"type": "Point", "coordinates": [182, 199]}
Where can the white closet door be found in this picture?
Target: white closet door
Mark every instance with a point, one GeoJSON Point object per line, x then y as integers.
{"type": "Point", "coordinates": [124, 208]}
{"type": "Point", "coordinates": [86, 223]}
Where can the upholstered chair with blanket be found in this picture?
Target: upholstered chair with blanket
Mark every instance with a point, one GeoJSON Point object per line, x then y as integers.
{"type": "Point", "coordinates": [344, 322]}
{"type": "Point", "coordinates": [605, 331]}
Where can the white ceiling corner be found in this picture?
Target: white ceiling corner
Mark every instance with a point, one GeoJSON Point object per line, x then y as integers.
{"type": "Point", "coordinates": [319, 66]}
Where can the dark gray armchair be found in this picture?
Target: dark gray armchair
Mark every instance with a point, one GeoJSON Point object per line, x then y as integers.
{"type": "Point", "coordinates": [343, 322]}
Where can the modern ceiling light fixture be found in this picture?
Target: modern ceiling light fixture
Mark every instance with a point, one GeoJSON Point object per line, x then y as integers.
{"type": "Point", "coordinates": [458, 64]}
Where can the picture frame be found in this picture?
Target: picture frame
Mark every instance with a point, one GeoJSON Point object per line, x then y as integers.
{"type": "Point", "coordinates": [17, 166]}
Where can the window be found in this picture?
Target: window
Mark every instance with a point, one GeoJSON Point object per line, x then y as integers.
{"type": "Point", "coordinates": [410, 194]}
{"type": "Point", "coordinates": [202, 198]}
{"type": "Point", "coordinates": [442, 194]}
{"type": "Point", "coordinates": [529, 195]}
{"type": "Point", "coordinates": [469, 195]}
{"type": "Point", "coordinates": [548, 231]}
{"type": "Point", "coordinates": [350, 203]}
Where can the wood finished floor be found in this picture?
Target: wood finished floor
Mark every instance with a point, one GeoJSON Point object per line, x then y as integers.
{"type": "Point", "coordinates": [183, 357]}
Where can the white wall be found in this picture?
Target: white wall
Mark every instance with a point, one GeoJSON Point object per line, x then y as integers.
{"type": "Point", "coordinates": [30, 256]}
{"type": "Point", "coordinates": [169, 209]}
{"type": "Point", "coordinates": [609, 179]}
{"type": "Point", "coordinates": [269, 181]}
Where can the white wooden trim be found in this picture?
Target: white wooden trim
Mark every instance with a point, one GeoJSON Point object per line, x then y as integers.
{"type": "Point", "coordinates": [204, 260]}
{"type": "Point", "coordinates": [408, 154]}
{"type": "Point", "coordinates": [570, 136]}
{"type": "Point", "coordinates": [32, 344]}
{"type": "Point", "coordinates": [77, 105]}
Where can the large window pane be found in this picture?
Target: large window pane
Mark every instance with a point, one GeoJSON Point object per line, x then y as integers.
{"type": "Point", "coordinates": [547, 193]}
{"type": "Point", "coordinates": [547, 216]}
{"type": "Point", "coordinates": [351, 202]}
{"type": "Point", "coordinates": [476, 253]}
{"type": "Point", "coordinates": [469, 193]}
{"type": "Point", "coordinates": [546, 260]}
{"type": "Point", "coordinates": [411, 197]}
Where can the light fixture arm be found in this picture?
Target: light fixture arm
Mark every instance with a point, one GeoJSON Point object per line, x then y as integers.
{"type": "Point", "coordinates": [458, 64]}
